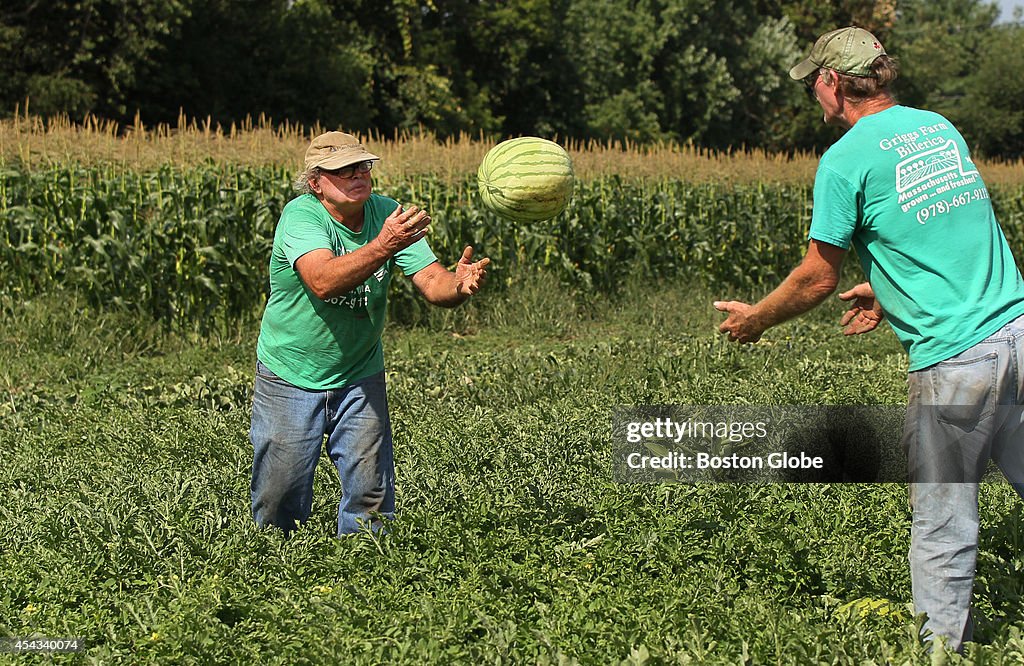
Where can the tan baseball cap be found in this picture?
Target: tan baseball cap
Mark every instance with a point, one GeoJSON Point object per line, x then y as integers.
{"type": "Point", "coordinates": [847, 50]}
{"type": "Point", "coordinates": [334, 150]}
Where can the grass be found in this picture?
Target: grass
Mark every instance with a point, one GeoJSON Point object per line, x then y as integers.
{"type": "Point", "coordinates": [126, 500]}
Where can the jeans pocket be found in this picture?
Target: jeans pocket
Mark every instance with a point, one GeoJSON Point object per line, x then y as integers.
{"type": "Point", "coordinates": [964, 390]}
{"type": "Point", "coordinates": [265, 372]}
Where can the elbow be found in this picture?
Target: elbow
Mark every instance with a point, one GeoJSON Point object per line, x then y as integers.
{"type": "Point", "coordinates": [323, 290]}
{"type": "Point", "coordinates": [326, 287]}
{"type": "Point", "coordinates": [320, 291]}
{"type": "Point", "coordinates": [450, 304]}
{"type": "Point", "coordinates": [440, 300]}
{"type": "Point", "coordinates": [312, 278]}
{"type": "Point", "coordinates": [434, 291]}
{"type": "Point", "coordinates": [817, 285]}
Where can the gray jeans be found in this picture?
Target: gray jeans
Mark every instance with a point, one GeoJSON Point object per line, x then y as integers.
{"type": "Point", "coordinates": [961, 413]}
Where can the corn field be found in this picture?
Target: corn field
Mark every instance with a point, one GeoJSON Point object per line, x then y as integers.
{"type": "Point", "coordinates": [189, 247]}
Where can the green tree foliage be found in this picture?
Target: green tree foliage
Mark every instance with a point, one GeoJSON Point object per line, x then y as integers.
{"type": "Point", "coordinates": [409, 89]}
{"type": "Point", "coordinates": [614, 46]}
{"type": "Point", "coordinates": [727, 85]}
{"type": "Point", "coordinates": [992, 113]}
{"type": "Point", "coordinates": [80, 57]}
{"type": "Point", "coordinates": [773, 104]}
{"type": "Point", "coordinates": [957, 61]}
{"type": "Point", "coordinates": [508, 62]}
{"type": "Point", "coordinates": [811, 18]}
{"type": "Point", "coordinates": [704, 71]}
{"type": "Point", "coordinates": [938, 43]}
{"type": "Point", "coordinates": [709, 72]}
{"type": "Point", "coordinates": [238, 58]}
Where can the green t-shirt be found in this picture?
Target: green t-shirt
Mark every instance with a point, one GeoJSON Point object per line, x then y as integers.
{"type": "Point", "coordinates": [320, 345]}
{"type": "Point", "coordinates": [900, 184]}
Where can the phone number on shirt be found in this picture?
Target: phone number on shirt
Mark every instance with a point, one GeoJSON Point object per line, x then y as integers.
{"type": "Point", "coordinates": [944, 206]}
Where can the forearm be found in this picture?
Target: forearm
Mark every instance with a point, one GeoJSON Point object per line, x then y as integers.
{"type": "Point", "coordinates": [443, 290]}
{"type": "Point", "coordinates": [343, 273]}
{"type": "Point", "coordinates": [800, 292]}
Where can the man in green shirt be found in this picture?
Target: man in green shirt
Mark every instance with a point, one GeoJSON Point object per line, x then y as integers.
{"type": "Point", "coordinates": [320, 367]}
{"type": "Point", "coordinates": [900, 186]}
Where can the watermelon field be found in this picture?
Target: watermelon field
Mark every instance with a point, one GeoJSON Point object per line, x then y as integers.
{"type": "Point", "coordinates": [132, 275]}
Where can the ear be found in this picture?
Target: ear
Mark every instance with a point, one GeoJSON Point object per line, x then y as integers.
{"type": "Point", "coordinates": [832, 80]}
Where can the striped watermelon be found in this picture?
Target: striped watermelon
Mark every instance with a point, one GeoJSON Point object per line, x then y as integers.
{"type": "Point", "coordinates": [526, 179]}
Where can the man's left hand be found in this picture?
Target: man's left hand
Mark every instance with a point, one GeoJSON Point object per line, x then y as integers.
{"type": "Point", "coordinates": [739, 325]}
{"type": "Point", "coordinates": [470, 276]}
{"type": "Point", "coordinates": [865, 312]}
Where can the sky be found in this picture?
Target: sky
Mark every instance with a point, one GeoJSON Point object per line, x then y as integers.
{"type": "Point", "coordinates": [1006, 8]}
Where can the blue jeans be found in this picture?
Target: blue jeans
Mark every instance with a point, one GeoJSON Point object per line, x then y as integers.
{"type": "Point", "coordinates": [289, 428]}
{"type": "Point", "coordinates": [961, 413]}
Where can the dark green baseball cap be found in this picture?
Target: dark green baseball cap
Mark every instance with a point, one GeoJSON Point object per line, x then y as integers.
{"type": "Point", "coordinates": [847, 51]}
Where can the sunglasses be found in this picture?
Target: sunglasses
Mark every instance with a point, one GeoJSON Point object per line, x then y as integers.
{"type": "Point", "coordinates": [810, 81]}
{"type": "Point", "coordinates": [352, 170]}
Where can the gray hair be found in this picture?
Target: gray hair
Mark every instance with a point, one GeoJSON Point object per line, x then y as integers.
{"type": "Point", "coordinates": [301, 182]}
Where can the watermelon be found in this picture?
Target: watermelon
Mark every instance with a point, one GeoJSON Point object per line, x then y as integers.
{"type": "Point", "coordinates": [528, 179]}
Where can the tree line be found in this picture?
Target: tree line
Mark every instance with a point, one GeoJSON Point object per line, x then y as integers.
{"type": "Point", "coordinates": [708, 72]}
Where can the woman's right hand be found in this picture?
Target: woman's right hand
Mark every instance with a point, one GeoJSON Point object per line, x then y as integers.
{"type": "Point", "coordinates": [403, 228]}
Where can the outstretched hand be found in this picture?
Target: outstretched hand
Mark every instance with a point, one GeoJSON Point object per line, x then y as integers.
{"type": "Point", "coordinates": [865, 314]}
{"type": "Point", "coordinates": [470, 276]}
{"type": "Point", "coordinates": [403, 228]}
{"type": "Point", "coordinates": [738, 324]}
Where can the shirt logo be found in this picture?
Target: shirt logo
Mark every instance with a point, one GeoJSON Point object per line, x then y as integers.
{"type": "Point", "coordinates": [929, 165]}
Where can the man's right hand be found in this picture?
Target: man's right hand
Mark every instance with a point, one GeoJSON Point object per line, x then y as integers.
{"type": "Point", "coordinates": [403, 228]}
{"type": "Point", "coordinates": [864, 314]}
